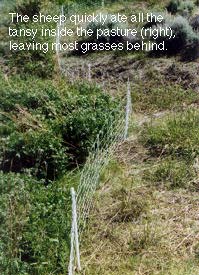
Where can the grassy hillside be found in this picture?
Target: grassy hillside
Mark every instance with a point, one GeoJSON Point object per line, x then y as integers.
{"type": "Point", "coordinates": [145, 219]}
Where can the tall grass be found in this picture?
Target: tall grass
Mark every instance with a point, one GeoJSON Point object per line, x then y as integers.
{"type": "Point", "coordinates": [177, 135]}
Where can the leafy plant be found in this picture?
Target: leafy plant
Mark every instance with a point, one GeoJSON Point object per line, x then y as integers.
{"type": "Point", "coordinates": [39, 151]}
{"type": "Point", "coordinates": [39, 61]}
{"type": "Point", "coordinates": [28, 7]}
{"type": "Point", "coordinates": [186, 7]}
{"type": "Point", "coordinates": [46, 129]}
{"type": "Point", "coordinates": [91, 112]}
{"type": "Point", "coordinates": [35, 227]}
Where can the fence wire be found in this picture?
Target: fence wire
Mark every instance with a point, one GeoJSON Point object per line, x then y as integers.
{"type": "Point", "coordinates": [114, 132]}
{"type": "Point", "coordinates": [105, 145]}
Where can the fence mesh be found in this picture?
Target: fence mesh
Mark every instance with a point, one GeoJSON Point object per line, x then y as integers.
{"type": "Point", "coordinates": [103, 149]}
{"type": "Point", "coordinates": [114, 131]}
{"type": "Point", "coordinates": [99, 157]}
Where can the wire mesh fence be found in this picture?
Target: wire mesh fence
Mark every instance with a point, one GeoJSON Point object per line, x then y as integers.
{"type": "Point", "coordinates": [115, 130]}
{"type": "Point", "coordinates": [103, 149]}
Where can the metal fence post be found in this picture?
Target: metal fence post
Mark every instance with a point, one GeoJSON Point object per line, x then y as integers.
{"type": "Point", "coordinates": [70, 267]}
{"type": "Point", "coordinates": [76, 228]}
{"type": "Point", "coordinates": [62, 10]}
{"type": "Point", "coordinates": [74, 236]}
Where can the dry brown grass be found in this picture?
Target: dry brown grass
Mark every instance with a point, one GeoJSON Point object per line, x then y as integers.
{"type": "Point", "coordinates": [140, 229]}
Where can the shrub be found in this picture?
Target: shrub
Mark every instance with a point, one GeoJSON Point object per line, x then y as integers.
{"type": "Point", "coordinates": [38, 61]}
{"type": "Point", "coordinates": [91, 111]}
{"type": "Point", "coordinates": [172, 7]}
{"type": "Point", "coordinates": [39, 151]}
{"type": "Point", "coordinates": [194, 22]}
{"type": "Point", "coordinates": [191, 52]}
{"type": "Point", "coordinates": [33, 62]}
{"type": "Point", "coordinates": [186, 8]}
{"type": "Point", "coordinates": [28, 7]}
{"type": "Point", "coordinates": [108, 25]}
{"type": "Point", "coordinates": [41, 97]}
{"type": "Point", "coordinates": [35, 225]}
{"type": "Point", "coordinates": [93, 2]}
{"type": "Point", "coordinates": [47, 130]}
{"type": "Point", "coordinates": [182, 7]}
{"type": "Point", "coordinates": [152, 22]}
{"type": "Point", "coordinates": [185, 39]}
{"type": "Point", "coordinates": [94, 26]}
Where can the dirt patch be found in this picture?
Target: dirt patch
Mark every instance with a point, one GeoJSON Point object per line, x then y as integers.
{"type": "Point", "coordinates": [113, 71]}
{"type": "Point", "coordinates": [187, 77]}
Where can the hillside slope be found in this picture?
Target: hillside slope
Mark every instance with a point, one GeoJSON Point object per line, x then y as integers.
{"type": "Point", "coordinates": [145, 214]}
{"type": "Point", "coordinates": [145, 217]}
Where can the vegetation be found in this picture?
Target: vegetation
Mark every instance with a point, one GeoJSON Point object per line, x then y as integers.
{"type": "Point", "coordinates": [45, 129]}
{"type": "Point", "coordinates": [181, 7]}
{"type": "Point", "coordinates": [177, 136]}
{"type": "Point", "coordinates": [146, 211]}
{"type": "Point", "coordinates": [35, 225]}
{"type": "Point", "coordinates": [38, 62]}
{"type": "Point", "coordinates": [172, 174]}
{"type": "Point", "coordinates": [150, 98]}
{"type": "Point", "coordinates": [30, 7]}
{"type": "Point", "coordinates": [173, 5]}
{"type": "Point", "coordinates": [185, 41]}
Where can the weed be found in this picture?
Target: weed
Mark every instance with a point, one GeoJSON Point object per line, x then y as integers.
{"type": "Point", "coordinates": [47, 131]}
{"type": "Point", "coordinates": [144, 239]}
{"type": "Point", "coordinates": [35, 225]}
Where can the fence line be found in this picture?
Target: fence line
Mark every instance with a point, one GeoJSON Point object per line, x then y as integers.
{"type": "Point", "coordinates": [104, 147]}
{"type": "Point", "coordinates": [115, 131]}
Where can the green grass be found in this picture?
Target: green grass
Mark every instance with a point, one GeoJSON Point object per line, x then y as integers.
{"type": "Point", "coordinates": [152, 96]}
{"type": "Point", "coordinates": [145, 215]}
{"type": "Point", "coordinates": [170, 174]}
{"type": "Point", "coordinates": [36, 223]}
{"type": "Point", "coordinates": [177, 135]}
{"type": "Point", "coordinates": [144, 220]}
